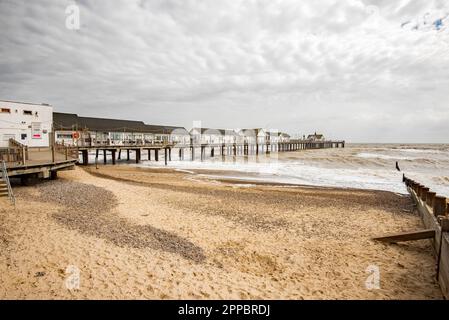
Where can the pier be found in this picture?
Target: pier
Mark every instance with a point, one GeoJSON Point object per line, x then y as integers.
{"type": "Point", "coordinates": [154, 151]}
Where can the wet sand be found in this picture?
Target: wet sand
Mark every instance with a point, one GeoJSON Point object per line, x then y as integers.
{"type": "Point", "coordinates": [160, 234]}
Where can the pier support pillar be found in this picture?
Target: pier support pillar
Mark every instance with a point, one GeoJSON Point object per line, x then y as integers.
{"type": "Point", "coordinates": [113, 156]}
{"type": "Point", "coordinates": [138, 154]}
{"type": "Point", "coordinates": [149, 154]}
{"type": "Point", "coordinates": [127, 154]}
{"type": "Point", "coordinates": [156, 154]}
{"type": "Point", "coordinates": [212, 152]}
{"type": "Point", "coordinates": [104, 156]}
{"type": "Point", "coordinates": [165, 155]}
{"type": "Point", "coordinates": [85, 157]}
{"type": "Point", "coordinates": [53, 175]}
{"type": "Point", "coordinates": [119, 154]}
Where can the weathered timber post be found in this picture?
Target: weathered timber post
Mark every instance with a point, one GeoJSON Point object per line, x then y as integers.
{"type": "Point", "coordinates": [439, 206]}
{"type": "Point", "coordinates": [104, 156]}
{"type": "Point", "coordinates": [127, 154]}
{"type": "Point", "coordinates": [138, 154]}
{"type": "Point", "coordinates": [53, 175]}
{"type": "Point", "coordinates": [418, 190]}
{"type": "Point", "coordinates": [424, 193]}
{"type": "Point", "coordinates": [85, 155]}
{"type": "Point", "coordinates": [430, 197]}
{"type": "Point", "coordinates": [119, 154]}
{"type": "Point", "coordinates": [149, 154]}
{"type": "Point", "coordinates": [113, 156]}
{"type": "Point", "coordinates": [156, 154]}
{"type": "Point", "coordinates": [165, 155]}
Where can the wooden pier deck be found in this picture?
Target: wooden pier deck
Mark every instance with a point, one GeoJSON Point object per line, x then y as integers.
{"type": "Point", "coordinates": [38, 162]}
{"type": "Point", "coordinates": [223, 149]}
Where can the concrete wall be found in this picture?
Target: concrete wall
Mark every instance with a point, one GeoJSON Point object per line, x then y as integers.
{"type": "Point", "coordinates": [29, 124]}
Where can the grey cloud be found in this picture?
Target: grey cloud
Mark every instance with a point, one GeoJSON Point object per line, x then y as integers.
{"type": "Point", "coordinates": [296, 66]}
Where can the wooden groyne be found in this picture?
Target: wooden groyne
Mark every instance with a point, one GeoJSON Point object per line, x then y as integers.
{"type": "Point", "coordinates": [222, 149]}
{"type": "Point", "coordinates": [434, 212]}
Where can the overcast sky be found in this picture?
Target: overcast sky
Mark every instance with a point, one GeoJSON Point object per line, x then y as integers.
{"type": "Point", "coordinates": [360, 70]}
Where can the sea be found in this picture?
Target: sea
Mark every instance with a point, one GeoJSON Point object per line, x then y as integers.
{"type": "Point", "coordinates": [361, 166]}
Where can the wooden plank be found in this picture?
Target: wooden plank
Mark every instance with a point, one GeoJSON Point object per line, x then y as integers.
{"type": "Point", "coordinates": [407, 236]}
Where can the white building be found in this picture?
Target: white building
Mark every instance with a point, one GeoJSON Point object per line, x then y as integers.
{"type": "Point", "coordinates": [316, 137]}
{"type": "Point", "coordinates": [71, 129]}
{"type": "Point", "coordinates": [261, 136]}
{"type": "Point", "coordinates": [27, 123]}
{"type": "Point", "coordinates": [213, 136]}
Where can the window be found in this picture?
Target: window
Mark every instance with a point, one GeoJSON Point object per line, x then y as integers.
{"type": "Point", "coordinates": [64, 136]}
{"type": "Point", "coordinates": [5, 110]}
{"type": "Point", "coordinates": [27, 112]}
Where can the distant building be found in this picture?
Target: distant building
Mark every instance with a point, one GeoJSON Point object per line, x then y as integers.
{"type": "Point", "coordinates": [213, 136]}
{"type": "Point", "coordinates": [315, 137]}
{"type": "Point", "coordinates": [261, 136]}
{"type": "Point", "coordinates": [284, 137]}
{"type": "Point", "coordinates": [71, 129]}
{"type": "Point", "coordinates": [27, 123]}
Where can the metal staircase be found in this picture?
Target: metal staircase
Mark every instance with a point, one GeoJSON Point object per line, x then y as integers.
{"type": "Point", "coordinates": [5, 185]}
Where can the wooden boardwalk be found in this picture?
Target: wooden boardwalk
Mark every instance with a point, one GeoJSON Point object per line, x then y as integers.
{"type": "Point", "coordinates": [39, 162]}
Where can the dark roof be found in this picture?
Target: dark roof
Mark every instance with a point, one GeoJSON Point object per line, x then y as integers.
{"type": "Point", "coordinates": [71, 121]}
{"type": "Point", "coordinates": [221, 131]}
{"type": "Point", "coordinates": [319, 136]}
{"type": "Point", "coordinates": [257, 130]}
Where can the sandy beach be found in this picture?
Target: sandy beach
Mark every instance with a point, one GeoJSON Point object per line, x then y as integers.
{"type": "Point", "coordinates": [137, 233]}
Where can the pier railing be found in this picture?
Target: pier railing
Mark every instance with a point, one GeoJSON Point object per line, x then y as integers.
{"type": "Point", "coordinates": [15, 154]}
{"type": "Point", "coordinates": [5, 178]}
{"type": "Point", "coordinates": [68, 152]}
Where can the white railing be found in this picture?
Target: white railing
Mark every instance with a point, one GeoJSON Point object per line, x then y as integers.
{"type": "Point", "coordinates": [5, 178]}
